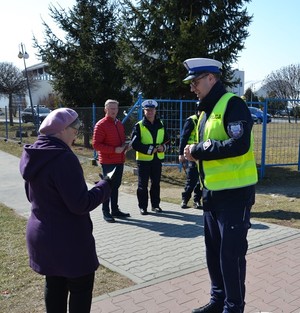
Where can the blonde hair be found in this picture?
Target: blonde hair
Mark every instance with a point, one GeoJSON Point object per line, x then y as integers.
{"type": "Point", "coordinates": [109, 101]}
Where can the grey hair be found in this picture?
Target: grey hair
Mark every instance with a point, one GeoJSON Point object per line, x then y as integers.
{"type": "Point", "coordinates": [109, 101]}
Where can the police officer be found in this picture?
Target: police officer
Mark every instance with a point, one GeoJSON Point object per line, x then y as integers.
{"type": "Point", "coordinates": [228, 174]}
{"type": "Point", "coordinates": [192, 183]}
{"type": "Point", "coordinates": [149, 139]}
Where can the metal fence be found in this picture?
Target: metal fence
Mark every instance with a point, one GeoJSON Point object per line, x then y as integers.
{"type": "Point", "coordinates": [276, 143]}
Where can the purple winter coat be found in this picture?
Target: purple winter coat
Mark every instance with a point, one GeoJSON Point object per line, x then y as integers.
{"type": "Point", "coordinates": [59, 230]}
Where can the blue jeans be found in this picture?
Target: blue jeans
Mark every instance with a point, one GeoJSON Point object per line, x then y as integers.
{"type": "Point", "coordinates": [114, 197]}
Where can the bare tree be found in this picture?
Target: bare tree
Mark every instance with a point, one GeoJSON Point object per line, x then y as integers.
{"type": "Point", "coordinates": [12, 82]}
{"type": "Point", "coordinates": [285, 84]}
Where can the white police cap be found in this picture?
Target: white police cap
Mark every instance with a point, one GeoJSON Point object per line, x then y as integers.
{"type": "Point", "coordinates": [197, 66]}
{"type": "Point", "coordinates": [147, 104]}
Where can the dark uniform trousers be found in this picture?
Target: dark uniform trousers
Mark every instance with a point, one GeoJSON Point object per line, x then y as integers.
{"type": "Point", "coordinates": [146, 170]}
{"type": "Point", "coordinates": [226, 247]}
{"type": "Point", "coordinates": [192, 183]}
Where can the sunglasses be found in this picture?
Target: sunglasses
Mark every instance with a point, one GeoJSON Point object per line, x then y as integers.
{"type": "Point", "coordinates": [196, 81]}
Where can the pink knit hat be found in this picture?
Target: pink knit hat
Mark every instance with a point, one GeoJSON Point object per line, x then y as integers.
{"type": "Point", "coordinates": [57, 120]}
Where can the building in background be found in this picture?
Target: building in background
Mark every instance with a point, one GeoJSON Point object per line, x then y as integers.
{"type": "Point", "coordinates": [239, 88]}
{"type": "Point", "coordinates": [43, 88]}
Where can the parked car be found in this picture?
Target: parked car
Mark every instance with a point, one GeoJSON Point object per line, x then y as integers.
{"type": "Point", "coordinates": [254, 117]}
{"type": "Point", "coordinates": [260, 115]}
{"type": "Point", "coordinates": [39, 113]}
{"type": "Point", "coordinates": [288, 112]}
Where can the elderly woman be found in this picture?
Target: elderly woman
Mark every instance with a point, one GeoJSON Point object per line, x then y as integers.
{"type": "Point", "coordinates": [59, 235]}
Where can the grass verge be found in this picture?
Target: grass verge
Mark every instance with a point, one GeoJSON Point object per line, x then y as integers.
{"type": "Point", "coordinates": [22, 290]}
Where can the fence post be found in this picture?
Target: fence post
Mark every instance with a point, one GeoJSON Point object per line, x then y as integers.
{"type": "Point", "coordinates": [299, 157]}
{"type": "Point", "coordinates": [20, 123]}
{"type": "Point", "coordinates": [140, 114]}
{"type": "Point", "coordinates": [264, 140]}
{"type": "Point", "coordinates": [95, 157]}
{"type": "Point", "coordinates": [180, 165]}
{"type": "Point", "coordinates": [6, 124]}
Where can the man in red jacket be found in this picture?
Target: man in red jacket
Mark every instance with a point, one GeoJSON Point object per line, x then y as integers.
{"type": "Point", "coordinates": [109, 142]}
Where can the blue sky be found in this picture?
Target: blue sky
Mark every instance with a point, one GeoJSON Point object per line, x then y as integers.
{"type": "Point", "coordinates": [273, 42]}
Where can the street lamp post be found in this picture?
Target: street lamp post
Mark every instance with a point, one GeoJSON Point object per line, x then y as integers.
{"type": "Point", "coordinates": [24, 55]}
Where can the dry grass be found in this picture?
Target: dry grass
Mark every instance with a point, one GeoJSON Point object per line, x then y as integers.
{"type": "Point", "coordinates": [22, 290]}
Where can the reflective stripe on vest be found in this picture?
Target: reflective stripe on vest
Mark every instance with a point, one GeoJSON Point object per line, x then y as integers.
{"type": "Point", "coordinates": [228, 173]}
{"type": "Point", "coordinates": [193, 135]}
{"type": "Point", "coordinates": [147, 139]}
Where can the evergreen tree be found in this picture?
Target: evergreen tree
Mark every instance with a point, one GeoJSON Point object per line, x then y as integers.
{"type": "Point", "coordinates": [84, 62]}
{"type": "Point", "coordinates": [157, 36]}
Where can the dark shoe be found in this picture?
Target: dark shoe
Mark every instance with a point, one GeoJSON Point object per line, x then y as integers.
{"type": "Point", "coordinates": [184, 205]}
{"type": "Point", "coordinates": [211, 307]}
{"type": "Point", "coordinates": [108, 217]}
{"type": "Point", "coordinates": [119, 213]}
{"type": "Point", "coordinates": [197, 205]}
{"type": "Point", "coordinates": [156, 210]}
{"type": "Point", "coordinates": [143, 211]}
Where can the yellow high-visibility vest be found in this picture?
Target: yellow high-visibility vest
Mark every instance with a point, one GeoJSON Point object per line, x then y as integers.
{"type": "Point", "coordinates": [193, 136]}
{"type": "Point", "coordinates": [227, 173]}
{"type": "Point", "coordinates": [147, 139]}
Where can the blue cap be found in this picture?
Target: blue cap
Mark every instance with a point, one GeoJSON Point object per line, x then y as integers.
{"type": "Point", "coordinates": [197, 66]}
{"type": "Point", "coordinates": [147, 104]}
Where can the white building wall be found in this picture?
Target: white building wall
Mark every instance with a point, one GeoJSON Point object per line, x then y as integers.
{"type": "Point", "coordinates": [43, 89]}
{"type": "Point", "coordinates": [239, 89]}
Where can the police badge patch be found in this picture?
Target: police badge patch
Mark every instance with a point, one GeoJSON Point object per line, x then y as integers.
{"type": "Point", "coordinates": [235, 130]}
{"type": "Point", "coordinates": [206, 144]}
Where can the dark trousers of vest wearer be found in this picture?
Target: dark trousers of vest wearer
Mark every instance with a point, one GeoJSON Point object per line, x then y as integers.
{"type": "Point", "coordinates": [79, 290]}
{"type": "Point", "coordinates": [114, 197]}
{"type": "Point", "coordinates": [192, 183]}
{"type": "Point", "coordinates": [148, 170]}
{"type": "Point", "coordinates": [226, 248]}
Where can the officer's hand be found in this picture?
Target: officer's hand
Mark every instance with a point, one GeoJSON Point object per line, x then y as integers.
{"type": "Point", "coordinates": [181, 158]}
{"type": "Point", "coordinates": [160, 148]}
{"type": "Point", "coordinates": [187, 153]}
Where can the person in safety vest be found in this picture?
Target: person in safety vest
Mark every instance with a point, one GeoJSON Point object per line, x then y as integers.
{"type": "Point", "coordinates": [149, 139]}
{"type": "Point", "coordinates": [192, 183]}
{"type": "Point", "coordinates": [228, 175]}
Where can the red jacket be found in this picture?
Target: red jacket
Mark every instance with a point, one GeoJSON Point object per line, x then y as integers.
{"type": "Point", "coordinates": [109, 134]}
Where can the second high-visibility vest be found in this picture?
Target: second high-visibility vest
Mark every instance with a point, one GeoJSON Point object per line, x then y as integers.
{"type": "Point", "coordinates": [193, 136]}
{"type": "Point", "coordinates": [147, 139]}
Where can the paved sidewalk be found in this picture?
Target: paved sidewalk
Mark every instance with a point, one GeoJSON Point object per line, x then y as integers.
{"type": "Point", "coordinates": [164, 255]}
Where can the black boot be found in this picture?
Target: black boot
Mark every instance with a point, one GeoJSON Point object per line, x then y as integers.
{"type": "Point", "coordinates": [119, 213]}
{"type": "Point", "coordinates": [108, 217]}
{"type": "Point", "coordinates": [211, 307]}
